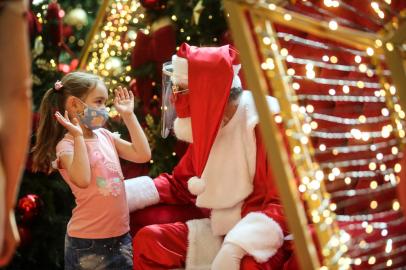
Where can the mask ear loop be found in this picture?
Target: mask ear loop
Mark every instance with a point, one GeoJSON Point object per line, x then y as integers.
{"type": "Point", "coordinates": [82, 113]}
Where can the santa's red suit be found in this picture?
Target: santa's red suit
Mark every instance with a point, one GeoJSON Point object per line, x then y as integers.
{"type": "Point", "coordinates": [235, 183]}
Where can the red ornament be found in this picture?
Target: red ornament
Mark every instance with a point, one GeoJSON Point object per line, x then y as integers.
{"type": "Point", "coordinates": [34, 26]}
{"type": "Point", "coordinates": [154, 4]}
{"type": "Point", "coordinates": [158, 47]}
{"type": "Point", "coordinates": [25, 236]}
{"type": "Point", "coordinates": [142, 89]}
{"type": "Point", "coordinates": [67, 31]}
{"type": "Point", "coordinates": [65, 68]}
{"type": "Point", "coordinates": [29, 206]}
{"type": "Point", "coordinates": [54, 24]}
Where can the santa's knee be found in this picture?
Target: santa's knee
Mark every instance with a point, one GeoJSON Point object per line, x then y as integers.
{"type": "Point", "coordinates": [146, 241]}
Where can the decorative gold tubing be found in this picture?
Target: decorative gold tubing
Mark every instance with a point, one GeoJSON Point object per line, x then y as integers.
{"type": "Point", "coordinates": [397, 74]}
{"type": "Point", "coordinates": [306, 166]}
{"type": "Point", "coordinates": [354, 38]}
{"type": "Point", "coordinates": [395, 33]}
{"type": "Point", "coordinates": [284, 177]}
{"type": "Point", "coordinates": [96, 24]}
{"type": "Point", "coordinates": [393, 39]}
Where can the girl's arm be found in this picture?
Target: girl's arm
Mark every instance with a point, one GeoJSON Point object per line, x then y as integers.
{"type": "Point", "coordinates": [77, 164]}
{"type": "Point", "coordinates": [138, 150]}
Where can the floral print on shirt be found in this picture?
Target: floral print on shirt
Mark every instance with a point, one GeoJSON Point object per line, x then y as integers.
{"type": "Point", "coordinates": [109, 186]}
{"type": "Point", "coordinates": [110, 183]}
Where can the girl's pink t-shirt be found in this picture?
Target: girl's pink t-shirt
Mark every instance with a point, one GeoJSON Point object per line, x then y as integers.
{"type": "Point", "coordinates": [101, 209]}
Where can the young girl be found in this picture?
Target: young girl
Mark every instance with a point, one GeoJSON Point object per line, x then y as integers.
{"type": "Point", "coordinates": [87, 156]}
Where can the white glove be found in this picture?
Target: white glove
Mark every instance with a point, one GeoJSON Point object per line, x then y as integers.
{"type": "Point", "coordinates": [229, 257]}
{"type": "Point", "coordinates": [141, 192]}
{"type": "Point", "coordinates": [257, 234]}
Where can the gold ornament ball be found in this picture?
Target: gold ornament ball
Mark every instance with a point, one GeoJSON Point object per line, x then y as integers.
{"type": "Point", "coordinates": [132, 35]}
{"type": "Point", "coordinates": [114, 66]}
{"type": "Point", "coordinates": [76, 17]}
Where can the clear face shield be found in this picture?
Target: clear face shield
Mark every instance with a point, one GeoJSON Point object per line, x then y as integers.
{"type": "Point", "coordinates": [169, 93]}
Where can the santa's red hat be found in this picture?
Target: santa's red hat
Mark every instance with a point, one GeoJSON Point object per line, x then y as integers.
{"type": "Point", "coordinates": [209, 73]}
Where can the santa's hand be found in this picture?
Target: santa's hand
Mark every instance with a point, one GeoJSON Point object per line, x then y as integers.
{"type": "Point", "coordinates": [258, 234]}
{"type": "Point", "coordinates": [229, 257]}
{"type": "Point", "coordinates": [141, 192]}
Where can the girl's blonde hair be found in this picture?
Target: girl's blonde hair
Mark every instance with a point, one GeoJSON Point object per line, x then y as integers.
{"type": "Point", "coordinates": [50, 132]}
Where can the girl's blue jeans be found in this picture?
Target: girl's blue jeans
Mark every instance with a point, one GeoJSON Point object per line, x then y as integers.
{"type": "Point", "coordinates": [114, 253]}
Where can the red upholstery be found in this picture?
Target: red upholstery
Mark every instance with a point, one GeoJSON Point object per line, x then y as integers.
{"type": "Point", "coordinates": [163, 213]}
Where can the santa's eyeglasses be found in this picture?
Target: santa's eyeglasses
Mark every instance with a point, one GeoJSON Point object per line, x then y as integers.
{"type": "Point", "coordinates": [176, 89]}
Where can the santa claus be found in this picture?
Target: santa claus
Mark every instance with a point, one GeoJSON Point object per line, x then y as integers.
{"type": "Point", "coordinates": [225, 169]}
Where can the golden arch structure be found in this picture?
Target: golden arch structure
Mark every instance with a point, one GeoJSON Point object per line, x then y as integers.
{"type": "Point", "coordinates": [320, 191]}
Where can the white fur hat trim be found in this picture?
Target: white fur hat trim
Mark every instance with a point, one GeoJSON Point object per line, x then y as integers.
{"type": "Point", "coordinates": [180, 70]}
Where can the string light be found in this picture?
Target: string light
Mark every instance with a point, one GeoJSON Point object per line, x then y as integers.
{"type": "Point", "coordinates": [266, 40]}
{"type": "Point", "coordinates": [376, 8]}
{"type": "Point", "coordinates": [370, 51]}
{"type": "Point", "coordinates": [272, 6]}
{"type": "Point", "coordinates": [331, 3]}
{"type": "Point", "coordinates": [318, 45]}
{"type": "Point", "coordinates": [304, 61]}
{"type": "Point", "coordinates": [358, 84]}
{"type": "Point", "coordinates": [372, 163]}
{"type": "Point", "coordinates": [333, 59]}
{"type": "Point", "coordinates": [371, 260]}
{"type": "Point", "coordinates": [333, 25]}
{"type": "Point", "coordinates": [108, 47]}
{"type": "Point", "coordinates": [363, 99]}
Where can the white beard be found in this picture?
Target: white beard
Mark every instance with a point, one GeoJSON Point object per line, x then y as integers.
{"type": "Point", "coordinates": [183, 129]}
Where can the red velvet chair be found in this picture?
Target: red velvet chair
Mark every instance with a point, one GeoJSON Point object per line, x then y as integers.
{"type": "Point", "coordinates": [162, 214]}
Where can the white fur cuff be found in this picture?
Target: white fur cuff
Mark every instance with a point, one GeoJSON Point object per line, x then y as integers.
{"type": "Point", "coordinates": [257, 234]}
{"type": "Point", "coordinates": [141, 192]}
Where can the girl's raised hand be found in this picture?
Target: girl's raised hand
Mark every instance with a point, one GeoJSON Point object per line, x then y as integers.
{"type": "Point", "coordinates": [124, 101]}
{"type": "Point", "coordinates": [73, 127]}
